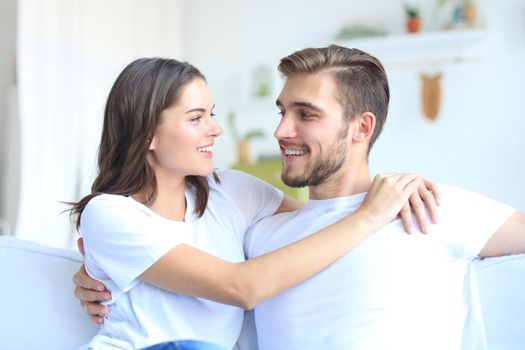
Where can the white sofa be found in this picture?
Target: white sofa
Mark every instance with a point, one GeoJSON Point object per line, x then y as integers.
{"type": "Point", "coordinates": [39, 310]}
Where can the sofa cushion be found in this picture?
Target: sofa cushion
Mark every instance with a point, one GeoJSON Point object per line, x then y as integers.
{"type": "Point", "coordinates": [38, 306]}
{"type": "Point", "coordinates": [501, 287]}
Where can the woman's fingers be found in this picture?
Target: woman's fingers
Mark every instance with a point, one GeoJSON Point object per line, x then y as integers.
{"type": "Point", "coordinates": [416, 195]}
{"type": "Point", "coordinates": [387, 196]}
{"type": "Point", "coordinates": [431, 199]}
{"type": "Point", "coordinates": [419, 208]}
{"type": "Point", "coordinates": [406, 218]}
{"type": "Point", "coordinates": [434, 189]}
{"type": "Point", "coordinates": [424, 198]}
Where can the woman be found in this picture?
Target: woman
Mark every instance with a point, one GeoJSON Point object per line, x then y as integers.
{"type": "Point", "coordinates": [162, 230]}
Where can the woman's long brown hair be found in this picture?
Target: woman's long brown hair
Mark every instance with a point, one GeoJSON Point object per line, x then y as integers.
{"type": "Point", "coordinates": [144, 89]}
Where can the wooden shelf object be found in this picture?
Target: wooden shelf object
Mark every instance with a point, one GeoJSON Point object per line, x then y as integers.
{"type": "Point", "coordinates": [425, 49]}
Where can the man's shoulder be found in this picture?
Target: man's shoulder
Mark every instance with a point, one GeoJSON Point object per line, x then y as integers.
{"type": "Point", "coordinates": [261, 232]}
{"type": "Point", "coordinates": [459, 204]}
{"type": "Point", "coordinates": [276, 220]}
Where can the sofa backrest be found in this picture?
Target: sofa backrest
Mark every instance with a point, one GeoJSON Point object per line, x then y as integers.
{"type": "Point", "coordinates": [39, 310]}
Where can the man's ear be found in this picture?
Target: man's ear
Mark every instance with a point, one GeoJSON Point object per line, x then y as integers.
{"type": "Point", "coordinates": [365, 124]}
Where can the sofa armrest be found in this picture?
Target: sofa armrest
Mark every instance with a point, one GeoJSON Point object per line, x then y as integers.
{"type": "Point", "coordinates": [39, 310]}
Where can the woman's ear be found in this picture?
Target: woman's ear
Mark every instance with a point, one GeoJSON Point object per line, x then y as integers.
{"type": "Point", "coordinates": [152, 143]}
{"type": "Point", "coordinates": [365, 124]}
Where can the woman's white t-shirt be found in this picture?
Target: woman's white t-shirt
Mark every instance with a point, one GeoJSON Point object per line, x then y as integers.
{"type": "Point", "coordinates": [123, 238]}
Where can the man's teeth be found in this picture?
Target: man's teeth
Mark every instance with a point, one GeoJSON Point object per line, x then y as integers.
{"type": "Point", "coordinates": [294, 152]}
{"type": "Point", "coordinates": [204, 149]}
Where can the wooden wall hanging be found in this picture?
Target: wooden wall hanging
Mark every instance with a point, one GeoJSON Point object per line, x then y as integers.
{"type": "Point", "coordinates": [430, 95]}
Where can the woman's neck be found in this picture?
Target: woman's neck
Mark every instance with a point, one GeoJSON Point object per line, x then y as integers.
{"type": "Point", "coordinates": [170, 199]}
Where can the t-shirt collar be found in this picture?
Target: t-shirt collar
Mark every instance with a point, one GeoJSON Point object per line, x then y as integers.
{"type": "Point", "coordinates": [346, 203]}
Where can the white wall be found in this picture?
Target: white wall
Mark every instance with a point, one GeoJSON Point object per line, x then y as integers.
{"type": "Point", "coordinates": [69, 55]}
{"type": "Point", "coordinates": [476, 143]}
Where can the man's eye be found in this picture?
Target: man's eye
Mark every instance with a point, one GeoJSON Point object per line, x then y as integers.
{"type": "Point", "coordinates": [281, 113]}
{"type": "Point", "coordinates": [212, 114]}
{"type": "Point", "coordinates": [305, 115]}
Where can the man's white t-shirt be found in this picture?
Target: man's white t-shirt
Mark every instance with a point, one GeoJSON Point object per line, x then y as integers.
{"type": "Point", "coordinates": [392, 291]}
{"type": "Point", "coordinates": [123, 238]}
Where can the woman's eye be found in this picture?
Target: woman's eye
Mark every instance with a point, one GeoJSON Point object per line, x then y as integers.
{"type": "Point", "coordinates": [196, 119]}
{"type": "Point", "coordinates": [281, 113]}
{"type": "Point", "coordinates": [212, 114]}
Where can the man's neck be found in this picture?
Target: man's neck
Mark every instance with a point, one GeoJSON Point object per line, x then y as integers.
{"type": "Point", "coordinates": [346, 182]}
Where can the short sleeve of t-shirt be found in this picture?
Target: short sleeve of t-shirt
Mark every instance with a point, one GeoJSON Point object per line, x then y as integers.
{"type": "Point", "coordinates": [467, 220]}
{"type": "Point", "coordinates": [254, 198]}
{"type": "Point", "coordinates": [123, 238]}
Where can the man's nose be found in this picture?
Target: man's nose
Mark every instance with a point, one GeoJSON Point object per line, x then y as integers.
{"type": "Point", "coordinates": [285, 129]}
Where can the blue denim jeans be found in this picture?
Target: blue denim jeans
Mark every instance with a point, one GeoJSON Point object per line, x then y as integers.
{"type": "Point", "coordinates": [185, 345]}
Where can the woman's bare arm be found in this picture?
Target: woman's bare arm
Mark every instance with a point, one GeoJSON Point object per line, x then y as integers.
{"type": "Point", "coordinates": [190, 271]}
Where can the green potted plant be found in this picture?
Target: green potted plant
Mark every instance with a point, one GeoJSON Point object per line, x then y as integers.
{"type": "Point", "coordinates": [413, 20]}
{"type": "Point", "coordinates": [242, 141]}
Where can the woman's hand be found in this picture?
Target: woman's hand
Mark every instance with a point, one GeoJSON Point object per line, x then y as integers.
{"type": "Point", "coordinates": [393, 194]}
{"type": "Point", "coordinates": [427, 197]}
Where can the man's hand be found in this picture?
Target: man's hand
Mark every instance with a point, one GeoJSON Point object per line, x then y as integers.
{"type": "Point", "coordinates": [90, 292]}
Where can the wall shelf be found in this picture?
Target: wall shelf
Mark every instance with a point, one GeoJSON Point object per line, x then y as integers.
{"type": "Point", "coordinates": [425, 49]}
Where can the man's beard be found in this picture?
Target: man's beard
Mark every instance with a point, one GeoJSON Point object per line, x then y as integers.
{"type": "Point", "coordinates": [321, 168]}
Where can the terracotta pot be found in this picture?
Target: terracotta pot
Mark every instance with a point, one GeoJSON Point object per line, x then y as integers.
{"type": "Point", "coordinates": [413, 24]}
{"type": "Point", "coordinates": [243, 151]}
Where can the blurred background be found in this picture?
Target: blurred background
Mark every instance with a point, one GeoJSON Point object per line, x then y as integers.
{"type": "Point", "coordinates": [456, 71]}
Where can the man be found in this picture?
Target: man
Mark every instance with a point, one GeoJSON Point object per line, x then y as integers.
{"type": "Point", "coordinates": [393, 290]}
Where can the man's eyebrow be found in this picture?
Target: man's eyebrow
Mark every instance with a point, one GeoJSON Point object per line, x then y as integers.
{"type": "Point", "coordinates": [307, 105]}
{"type": "Point", "coordinates": [301, 104]}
